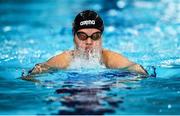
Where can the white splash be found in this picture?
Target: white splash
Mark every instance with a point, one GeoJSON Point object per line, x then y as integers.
{"type": "Point", "coordinates": [86, 60]}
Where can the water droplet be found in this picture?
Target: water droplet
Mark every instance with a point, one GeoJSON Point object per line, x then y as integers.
{"type": "Point", "coordinates": [158, 29]}
{"type": "Point", "coordinates": [169, 106]}
{"type": "Point", "coordinates": [97, 7]}
{"type": "Point", "coordinates": [121, 4]}
{"type": "Point", "coordinates": [113, 12]}
{"type": "Point", "coordinates": [7, 28]}
{"type": "Point", "coordinates": [110, 29]}
{"type": "Point", "coordinates": [51, 99]}
{"type": "Point", "coordinates": [31, 41]}
{"type": "Point", "coordinates": [132, 31]}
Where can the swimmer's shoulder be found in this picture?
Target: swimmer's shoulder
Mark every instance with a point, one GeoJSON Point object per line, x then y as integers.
{"type": "Point", "coordinates": [61, 60]}
{"type": "Point", "coordinates": [115, 60]}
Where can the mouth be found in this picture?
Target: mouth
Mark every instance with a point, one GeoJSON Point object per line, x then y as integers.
{"type": "Point", "coordinates": [88, 49]}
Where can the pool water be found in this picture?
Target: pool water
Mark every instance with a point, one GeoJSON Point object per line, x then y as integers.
{"type": "Point", "coordinates": [147, 32]}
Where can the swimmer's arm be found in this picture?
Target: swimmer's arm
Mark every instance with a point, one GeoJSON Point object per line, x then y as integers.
{"type": "Point", "coordinates": [60, 61]}
{"type": "Point", "coordinates": [115, 60]}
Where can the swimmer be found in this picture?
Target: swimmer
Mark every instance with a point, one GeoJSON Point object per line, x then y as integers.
{"type": "Point", "coordinates": [88, 28]}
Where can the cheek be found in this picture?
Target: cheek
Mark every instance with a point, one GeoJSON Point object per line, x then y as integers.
{"type": "Point", "coordinates": [97, 44]}
{"type": "Point", "coordinates": [79, 43]}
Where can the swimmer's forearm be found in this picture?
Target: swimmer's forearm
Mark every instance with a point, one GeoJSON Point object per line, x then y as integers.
{"type": "Point", "coordinates": [137, 68]}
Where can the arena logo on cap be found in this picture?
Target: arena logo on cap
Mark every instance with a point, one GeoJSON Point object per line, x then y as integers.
{"type": "Point", "coordinates": [88, 22]}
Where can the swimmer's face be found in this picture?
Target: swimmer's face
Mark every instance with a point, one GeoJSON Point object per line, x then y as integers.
{"type": "Point", "coordinates": [88, 39]}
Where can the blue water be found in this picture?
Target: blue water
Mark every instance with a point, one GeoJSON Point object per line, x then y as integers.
{"type": "Point", "coordinates": [147, 32]}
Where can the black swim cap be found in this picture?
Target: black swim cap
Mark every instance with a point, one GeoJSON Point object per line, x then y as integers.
{"type": "Point", "coordinates": [88, 19]}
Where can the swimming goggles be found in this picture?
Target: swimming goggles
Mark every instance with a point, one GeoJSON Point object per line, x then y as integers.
{"type": "Point", "coordinates": [83, 36]}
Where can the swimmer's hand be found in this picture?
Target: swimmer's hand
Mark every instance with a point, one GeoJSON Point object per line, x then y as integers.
{"type": "Point", "coordinates": [39, 68]}
{"type": "Point", "coordinates": [30, 78]}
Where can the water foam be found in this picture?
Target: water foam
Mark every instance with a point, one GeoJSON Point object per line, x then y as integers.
{"type": "Point", "coordinates": [87, 60]}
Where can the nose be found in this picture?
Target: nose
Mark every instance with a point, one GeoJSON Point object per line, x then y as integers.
{"type": "Point", "coordinates": [89, 41]}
